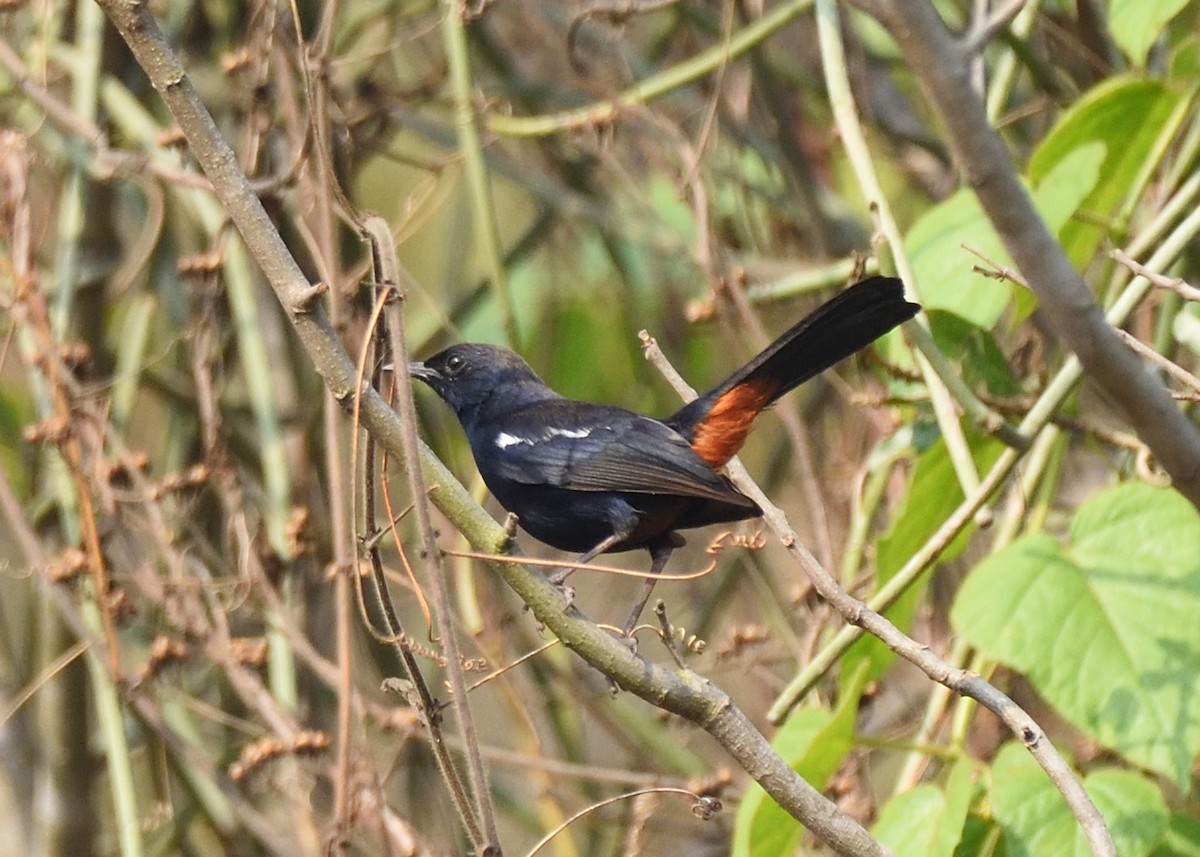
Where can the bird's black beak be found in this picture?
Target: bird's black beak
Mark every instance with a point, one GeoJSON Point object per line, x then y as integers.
{"type": "Point", "coordinates": [420, 370]}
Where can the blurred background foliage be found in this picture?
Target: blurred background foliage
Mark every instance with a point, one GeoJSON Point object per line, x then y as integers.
{"type": "Point", "coordinates": [154, 405]}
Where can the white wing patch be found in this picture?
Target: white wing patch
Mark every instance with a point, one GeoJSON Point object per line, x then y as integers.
{"type": "Point", "coordinates": [504, 440]}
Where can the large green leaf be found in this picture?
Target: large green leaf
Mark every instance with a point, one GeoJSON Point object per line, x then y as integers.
{"type": "Point", "coordinates": [1129, 117]}
{"type": "Point", "coordinates": [955, 235]}
{"type": "Point", "coordinates": [813, 741]}
{"type": "Point", "coordinates": [1037, 822]}
{"type": "Point", "coordinates": [1136, 24]}
{"type": "Point", "coordinates": [1106, 625]}
{"type": "Point", "coordinates": [927, 821]}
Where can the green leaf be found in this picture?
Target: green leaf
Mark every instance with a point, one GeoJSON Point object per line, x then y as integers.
{"type": "Point", "coordinates": [981, 837]}
{"type": "Point", "coordinates": [907, 823]}
{"type": "Point", "coordinates": [975, 350]}
{"type": "Point", "coordinates": [926, 821]}
{"type": "Point", "coordinates": [1128, 117]}
{"type": "Point", "coordinates": [813, 741]}
{"type": "Point", "coordinates": [1105, 626]}
{"type": "Point", "coordinates": [953, 236]}
{"type": "Point", "coordinates": [1037, 822]}
{"type": "Point", "coordinates": [1185, 60]}
{"type": "Point", "coordinates": [1136, 24]}
{"type": "Point", "coordinates": [1182, 839]}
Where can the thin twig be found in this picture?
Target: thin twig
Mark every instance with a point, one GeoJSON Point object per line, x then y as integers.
{"type": "Point", "coordinates": [1169, 366]}
{"type": "Point", "coordinates": [667, 633]}
{"type": "Point", "coordinates": [855, 612]}
{"type": "Point", "coordinates": [588, 567]}
{"type": "Point", "coordinates": [1175, 284]}
{"type": "Point", "coordinates": [990, 27]}
{"type": "Point", "coordinates": [323, 187]}
{"type": "Point", "coordinates": [389, 274]}
{"type": "Point", "coordinates": [422, 698]}
{"type": "Point", "coordinates": [704, 807]}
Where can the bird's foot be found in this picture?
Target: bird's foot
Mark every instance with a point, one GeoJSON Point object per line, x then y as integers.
{"type": "Point", "coordinates": [559, 581]}
{"type": "Point", "coordinates": [628, 636]}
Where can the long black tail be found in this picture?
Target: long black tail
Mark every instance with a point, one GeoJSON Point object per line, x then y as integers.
{"type": "Point", "coordinates": [717, 423]}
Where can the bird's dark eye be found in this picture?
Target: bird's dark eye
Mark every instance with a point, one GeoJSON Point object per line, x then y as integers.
{"type": "Point", "coordinates": [455, 365]}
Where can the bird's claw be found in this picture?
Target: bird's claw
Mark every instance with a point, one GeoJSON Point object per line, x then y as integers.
{"type": "Point", "coordinates": [567, 592]}
{"type": "Point", "coordinates": [558, 579]}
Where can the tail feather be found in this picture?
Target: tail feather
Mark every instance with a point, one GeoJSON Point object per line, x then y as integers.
{"type": "Point", "coordinates": [718, 422]}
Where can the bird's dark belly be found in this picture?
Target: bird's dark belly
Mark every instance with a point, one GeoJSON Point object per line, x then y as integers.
{"type": "Point", "coordinates": [577, 521]}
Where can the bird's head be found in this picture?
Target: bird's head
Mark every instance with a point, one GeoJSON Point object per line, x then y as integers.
{"type": "Point", "coordinates": [472, 377]}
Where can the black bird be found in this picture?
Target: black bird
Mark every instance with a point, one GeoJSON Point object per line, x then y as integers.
{"type": "Point", "coordinates": [595, 478]}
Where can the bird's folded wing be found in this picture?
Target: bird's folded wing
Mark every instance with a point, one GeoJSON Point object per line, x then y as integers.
{"type": "Point", "coordinates": [631, 453]}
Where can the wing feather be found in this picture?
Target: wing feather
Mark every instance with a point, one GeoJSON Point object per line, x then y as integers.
{"type": "Point", "coordinates": [585, 447]}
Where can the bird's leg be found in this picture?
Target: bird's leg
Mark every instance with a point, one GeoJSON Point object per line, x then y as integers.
{"type": "Point", "coordinates": [660, 552]}
{"type": "Point", "coordinates": [559, 577]}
